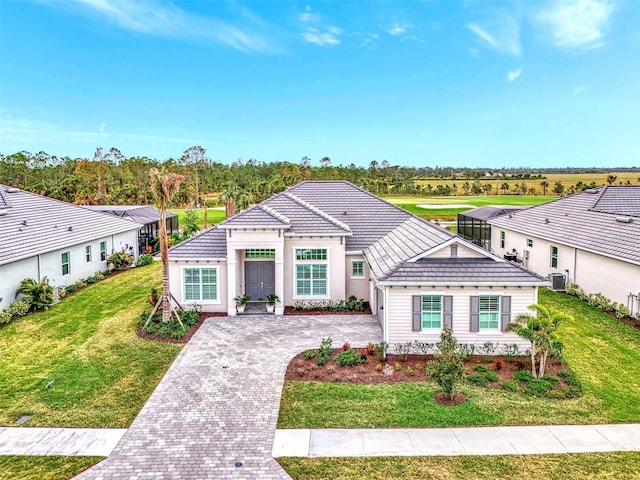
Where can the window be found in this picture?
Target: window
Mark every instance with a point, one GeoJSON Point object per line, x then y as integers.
{"type": "Point", "coordinates": [87, 253]}
{"type": "Point", "coordinates": [489, 312]}
{"type": "Point", "coordinates": [103, 251]}
{"type": "Point", "coordinates": [66, 264]}
{"type": "Point", "coordinates": [554, 257]}
{"type": "Point", "coordinates": [357, 268]}
{"type": "Point", "coordinates": [431, 311]}
{"type": "Point", "coordinates": [260, 253]}
{"type": "Point", "coordinates": [200, 283]}
{"type": "Point", "coordinates": [529, 242]}
{"type": "Point", "coordinates": [502, 238]}
{"type": "Point", "coordinates": [311, 272]}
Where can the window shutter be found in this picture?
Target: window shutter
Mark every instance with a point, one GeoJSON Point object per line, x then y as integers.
{"type": "Point", "coordinates": [505, 312]}
{"type": "Point", "coordinates": [447, 310]}
{"type": "Point", "coordinates": [474, 323]}
{"type": "Point", "coordinates": [417, 312]}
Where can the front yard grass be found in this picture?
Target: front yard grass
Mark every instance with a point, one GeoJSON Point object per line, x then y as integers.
{"type": "Point", "coordinates": [603, 352]}
{"type": "Point", "coordinates": [505, 467]}
{"type": "Point", "coordinates": [43, 468]}
{"type": "Point", "coordinates": [86, 350]}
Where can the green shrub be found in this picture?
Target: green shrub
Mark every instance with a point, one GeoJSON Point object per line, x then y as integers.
{"type": "Point", "coordinates": [509, 385]}
{"type": "Point", "coordinates": [190, 317]}
{"type": "Point", "coordinates": [492, 376]}
{"type": "Point", "coordinates": [349, 358]}
{"type": "Point", "coordinates": [324, 352]}
{"type": "Point", "coordinates": [80, 284]}
{"type": "Point", "coordinates": [477, 379]}
{"type": "Point", "coordinates": [70, 288]}
{"type": "Point", "coordinates": [19, 308]}
{"type": "Point", "coordinates": [447, 368]}
{"type": "Point", "coordinates": [522, 376]}
{"type": "Point", "coordinates": [144, 259]}
{"type": "Point", "coordinates": [5, 317]}
{"type": "Point", "coordinates": [39, 295]}
{"type": "Point", "coordinates": [309, 354]}
{"type": "Point", "coordinates": [98, 276]}
{"type": "Point", "coordinates": [481, 369]}
{"type": "Point", "coordinates": [538, 387]}
{"type": "Point", "coordinates": [120, 260]}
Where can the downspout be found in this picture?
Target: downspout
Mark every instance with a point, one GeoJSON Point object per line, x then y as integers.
{"type": "Point", "coordinates": [39, 275]}
{"type": "Point", "coordinates": [575, 266]}
{"type": "Point", "coordinates": [385, 315]}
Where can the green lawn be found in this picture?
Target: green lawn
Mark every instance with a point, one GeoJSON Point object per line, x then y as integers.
{"type": "Point", "coordinates": [214, 216]}
{"type": "Point", "coordinates": [102, 373]}
{"type": "Point", "coordinates": [603, 352]}
{"type": "Point", "coordinates": [447, 213]}
{"type": "Point", "coordinates": [623, 466]}
{"type": "Point", "coordinates": [43, 468]}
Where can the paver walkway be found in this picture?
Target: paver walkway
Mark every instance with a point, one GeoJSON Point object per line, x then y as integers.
{"type": "Point", "coordinates": [218, 403]}
{"type": "Point", "coordinates": [525, 440]}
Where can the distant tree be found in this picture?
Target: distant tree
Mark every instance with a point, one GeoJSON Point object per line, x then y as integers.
{"type": "Point", "coordinates": [195, 158]}
{"type": "Point", "coordinates": [325, 161]}
{"type": "Point", "coordinates": [611, 179]}
{"type": "Point", "coordinates": [466, 187]}
{"type": "Point", "coordinates": [487, 188]}
{"type": "Point", "coordinates": [504, 187]}
{"type": "Point", "coordinates": [558, 188]}
{"type": "Point", "coordinates": [544, 186]}
{"type": "Point", "coordinates": [476, 188]}
{"type": "Point", "coordinates": [305, 162]}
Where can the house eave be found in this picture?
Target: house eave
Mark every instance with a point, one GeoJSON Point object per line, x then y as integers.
{"type": "Point", "coordinates": [197, 260]}
{"type": "Point", "coordinates": [345, 234]}
{"type": "Point", "coordinates": [253, 227]}
{"type": "Point", "coordinates": [387, 283]}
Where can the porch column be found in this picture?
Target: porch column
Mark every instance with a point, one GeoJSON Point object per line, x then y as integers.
{"type": "Point", "coordinates": [232, 260]}
{"type": "Point", "coordinates": [279, 267]}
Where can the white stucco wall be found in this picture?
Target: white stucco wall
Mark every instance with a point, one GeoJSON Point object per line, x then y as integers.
{"type": "Point", "coordinates": [614, 278]}
{"type": "Point", "coordinates": [355, 285]}
{"type": "Point", "coordinates": [50, 264]}
{"type": "Point", "coordinates": [399, 314]}
{"type": "Point", "coordinates": [176, 285]}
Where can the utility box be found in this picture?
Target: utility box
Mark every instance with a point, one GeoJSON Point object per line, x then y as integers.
{"type": "Point", "coordinates": [558, 281]}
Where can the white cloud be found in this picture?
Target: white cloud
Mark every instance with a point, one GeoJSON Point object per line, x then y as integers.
{"type": "Point", "coordinates": [316, 32]}
{"type": "Point", "coordinates": [398, 28]}
{"type": "Point", "coordinates": [103, 127]}
{"type": "Point", "coordinates": [504, 39]}
{"type": "Point", "coordinates": [320, 38]}
{"type": "Point", "coordinates": [577, 24]}
{"type": "Point", "coordinates": [152, 17]}
{"type": "Point", "coordinates": [579, 89]}
{"type": "Point", "coordinates": [513, 74]}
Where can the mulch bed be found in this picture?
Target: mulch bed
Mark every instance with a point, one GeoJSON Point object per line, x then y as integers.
{"type": "Point", "coordinates": [397, 370]}
{"type": "Point", "coordinates": [289, 310]}
{"type": "Point", "coordinates": [192, 330]}
{"type": "Point", "coordinates": [632, 322]}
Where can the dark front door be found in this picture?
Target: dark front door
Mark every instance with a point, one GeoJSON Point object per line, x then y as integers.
{"type": "Point", "coordinates": [260, 279]}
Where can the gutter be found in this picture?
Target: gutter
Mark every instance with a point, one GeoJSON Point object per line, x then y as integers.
{"type": "Point", "coordinates": [542, 283]}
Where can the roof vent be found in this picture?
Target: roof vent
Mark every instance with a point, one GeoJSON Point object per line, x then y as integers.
{"type": "Point", "coordinates": [624, 219]}
{"type": "Point", "coordinates": [12, 190]}
{"type": "Point", "coordinates": [3, 212]}
{"type": "Point", "coordinates": [546, 220]}
{"type": "Point", "coordinates": [70, 229]}
{"type": "Point", "coordinates": [592, 191]}
{"type": "Point", "coordinates": [24, 222]}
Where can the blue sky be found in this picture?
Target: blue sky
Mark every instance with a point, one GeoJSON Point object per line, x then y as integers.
{"type": "Point", "coordinates": [472, 83]}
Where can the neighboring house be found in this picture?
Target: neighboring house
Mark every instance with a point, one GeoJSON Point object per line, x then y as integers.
{"type": "Point", "coordinates": [321, 241]}
{"type": "Point", "coordinates": [146, 215]}
{"type": "Point", "coordinates": [473, 224]}
{"type": "Point", "coordinates": [591, 238]}
{"type": "Point", "coordinates": [42, 237]}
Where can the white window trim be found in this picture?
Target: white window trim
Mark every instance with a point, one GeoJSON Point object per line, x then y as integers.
{"type": "Point", "coordinates": [106, 255]}
{"type": "Point", "coordinates": [431, 331]}
{"type": "Point", "coordinates": [491, 331]}
{"type": "Point", "coordinates": [294, 277]}
{"type": "Point", "coordinates": [353, 260]}
{"type": "Point", "coordinates": [68, 252]}
{"type": "Point", "coordinates": [551, 257]}
{"type": "Point", "coordinates": [88, 253]}
{"type": "Point", "coordinates": [200, 302]}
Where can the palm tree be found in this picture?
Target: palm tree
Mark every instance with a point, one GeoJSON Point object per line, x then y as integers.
{"type": "Point", "coordinates": [544, 186]}
{"type": "Point", "coordinates": [164, 185]}
{"type": "Point", "coordinates": [39, 295]}
{"type": "Point", "coordinates": [539, 329]}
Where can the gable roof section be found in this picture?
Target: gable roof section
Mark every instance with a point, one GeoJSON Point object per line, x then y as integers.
{"type": "Point", "coordinates": [369, 217]}
{"type": "Point", "coordinates": [586, 220]}
{"type": "Point", "coordinates": [36, 224]}
{"type": "Point", "coordinates": [306, 218]}
{"type": "Point", "coordinates": [463, 271]}
{"type": "Point", "coordinates": [489, 211]}
{"type": "Point", "coordinates": [257, 216]}
{"type": "Point", "coordinates": [211, 244]}
{"type": "Point", "coordinates": [4, 200]}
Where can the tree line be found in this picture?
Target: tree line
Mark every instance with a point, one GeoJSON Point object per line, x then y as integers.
{"type": "Point", "coordinates": [111, 178]}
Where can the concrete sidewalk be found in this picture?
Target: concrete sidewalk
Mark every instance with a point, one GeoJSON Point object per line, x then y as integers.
{"type": "Point", "coordinates": [456, 441]}
{"type": "Point", "coordinates": [59, 441]}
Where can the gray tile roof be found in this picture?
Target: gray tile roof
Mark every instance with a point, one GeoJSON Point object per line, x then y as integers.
{"type": "Point", "coordinates": [306, 218]}
{"type": "Point", "coordinates": [586, 220]}
{"type": "Point", "coordinates": [35, 224]}
{"type": "Point", "coordinates": [469, 271]}
{"type": "Point", "coordinates": [210, 244]}
{"type": "Point", "coordinates": [4, 201]}
{"type": "Point", "coordinates": [138, 213]}
{"type": "Point", "coordinates": [258, 215]}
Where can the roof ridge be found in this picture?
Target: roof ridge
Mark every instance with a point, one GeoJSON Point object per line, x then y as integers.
{"type": "Point", "coordinates": [317, 211]}
{"type": "Point", "coordinates": [274, 213]}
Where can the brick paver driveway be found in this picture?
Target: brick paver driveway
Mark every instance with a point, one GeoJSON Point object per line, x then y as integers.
{"type": "Point", "coordinates": [218, 403]}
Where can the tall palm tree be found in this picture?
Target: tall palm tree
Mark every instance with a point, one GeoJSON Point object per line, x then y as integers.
{"type": "Point", "coordinates": [164, 185]}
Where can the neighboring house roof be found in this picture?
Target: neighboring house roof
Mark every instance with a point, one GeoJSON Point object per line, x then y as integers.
{"type": "Point", "coordinates": [489, 211]}
{"type": "Point", "coordinates": [35, 224]}
{"type": "Point", "coordinates": [466, 271]}
{"type": "Point", "coordinates": [211, 244]}
{"type": "Point", "coordinates": [138, 213]}
{"type": "Point", "coordinates": [604, 220]}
